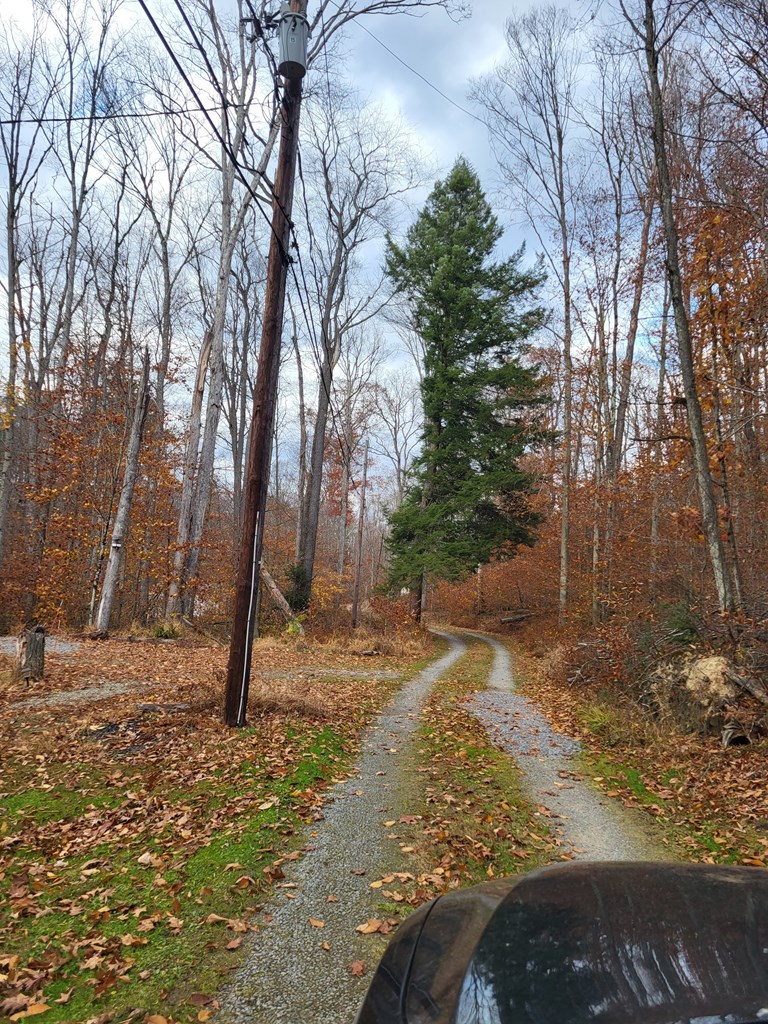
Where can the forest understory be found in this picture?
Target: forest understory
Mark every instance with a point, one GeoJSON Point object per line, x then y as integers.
{"type": "Point", "coordinates": [139, 837]}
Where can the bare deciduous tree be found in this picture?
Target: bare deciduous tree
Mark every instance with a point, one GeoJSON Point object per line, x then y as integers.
{"type": "Point", "coordinates": [654, 35]}
{"type": "Point", "coordinates": [530, 108]}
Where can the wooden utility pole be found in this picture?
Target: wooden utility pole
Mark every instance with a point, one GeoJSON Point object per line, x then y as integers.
{"type": "Point", "coordinates": [265, 391]}
{"type": "Point", "coordinates": [359, 546]}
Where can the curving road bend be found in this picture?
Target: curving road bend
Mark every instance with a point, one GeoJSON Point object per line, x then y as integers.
{"type": "Point", "coordinates": [590, 825]}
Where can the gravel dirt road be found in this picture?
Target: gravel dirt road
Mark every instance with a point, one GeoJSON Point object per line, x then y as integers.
{"type": "Point", "coordinates": [591, 825]}
{"type": "Point", "coordinates": [289, 977]}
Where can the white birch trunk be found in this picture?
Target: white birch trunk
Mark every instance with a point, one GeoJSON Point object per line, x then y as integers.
{"type": "Point", "coordinates": [123, 514]}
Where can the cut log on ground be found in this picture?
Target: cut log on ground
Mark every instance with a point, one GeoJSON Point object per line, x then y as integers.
{"type": "Point", "coordinates": [30, 654]}
{"type": "Point", "coordinates": [516, 616]}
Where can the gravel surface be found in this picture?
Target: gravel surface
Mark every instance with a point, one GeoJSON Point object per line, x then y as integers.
{"type": "Point", "coordinates": [52, 645]}
{"type": "Point", "coordinates": [101, 690]}
{"type": "Point", "coordinates": [595, 827]}
{"type": "Point", "coordinates": [288, 978]}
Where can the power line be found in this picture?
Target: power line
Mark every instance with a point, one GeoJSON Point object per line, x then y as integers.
{"type": "Point", "coordinates": [222, 141]}
{"type": "Point", "coordinates": [235, 163]}
{"type": "Point", "coordinates": [204, 55]}
{"type": "Point", "coordinates": [115, 116]}
{"type": "Point", "coordinates": [413, 70]}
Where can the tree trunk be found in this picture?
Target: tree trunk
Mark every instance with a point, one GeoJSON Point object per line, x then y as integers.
{"type": "Point", "coordinates": [173, 605]}
{"type": "Point", "coordinates": [301, 483]}
{"type": "Point", "coordinates": [708, 504]}
{"type": "Point", "coordinates": [343, 510]}
{"type": "Point", "coordinates": [314, 478]}
{"type": "Point", "coordinates": [232, 222]}
{"type": "Point", "coordinates": [8, 410]}
{"type": "Point", "coordinates": [123, 514]}
{"type": "Point", "coordinates": [565, 486]}
{"type": "Point", "coordinates": [359, 545]}
{"type": "Point", "coordinates": [30, 655]}
{"type": "Point", "coordinates": [279, 601]}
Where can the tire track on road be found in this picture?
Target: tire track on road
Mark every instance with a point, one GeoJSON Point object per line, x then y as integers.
{"type": "Point", "coordinates": [594, 826]}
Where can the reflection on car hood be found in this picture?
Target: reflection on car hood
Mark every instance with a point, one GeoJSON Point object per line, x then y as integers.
{"type": "Point", "coordinates": [630, 944]}
{"type": "Point", "coordinates": [614, 943]}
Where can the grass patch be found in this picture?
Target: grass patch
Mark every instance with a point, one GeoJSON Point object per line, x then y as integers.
{"type": "Point", "coordinates": [600, 720]}
{"type": "Point", "coordinates": [133, 866]}
{"type": "Point", "coordinates": [125, 935]}
{"type": "Point", "coordinates": [714, 839]}
{"type": "Point", "coordinates": [615, 776]}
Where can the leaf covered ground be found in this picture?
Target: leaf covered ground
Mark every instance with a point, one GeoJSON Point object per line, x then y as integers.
{"type": "Point", "coordinates": [711, 800]}
{"type": "Point", "coordinates": [138, 835]}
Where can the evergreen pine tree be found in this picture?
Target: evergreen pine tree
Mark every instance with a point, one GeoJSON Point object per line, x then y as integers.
{"type": "Point", "coordinates": [474, 316]}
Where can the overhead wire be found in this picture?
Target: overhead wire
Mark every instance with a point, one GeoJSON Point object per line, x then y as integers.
{"type": "Point", "coordinates": [412, 69]}
{"type": "Point", "coordinates": [114, 116]}
{"type": "Point", "coordinates": [209, 67]}
{"type": "Point", "coordinates": [285, 256]}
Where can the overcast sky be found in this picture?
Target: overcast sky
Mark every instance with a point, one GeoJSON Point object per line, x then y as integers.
{"type": "Point", "coordinates": [448, 54]}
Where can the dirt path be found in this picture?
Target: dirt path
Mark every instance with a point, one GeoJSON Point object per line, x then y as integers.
{"type": "Point", "coordinates": [288, 976]}
{"type": "Point", "coordinates": [594, 826]}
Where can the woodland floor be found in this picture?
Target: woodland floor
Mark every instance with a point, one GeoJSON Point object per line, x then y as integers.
{"type": "Point", "coordinates": [142, 845]}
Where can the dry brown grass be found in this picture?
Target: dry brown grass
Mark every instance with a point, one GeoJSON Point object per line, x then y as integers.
{"type": "Point", "coordinates": [288, 697]}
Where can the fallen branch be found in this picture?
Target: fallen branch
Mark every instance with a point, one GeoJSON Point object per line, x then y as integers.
{"type": "Point", "coordinates": [203, 632]}
{"type": "Point", "coordinates": [752, 686]}
{"type": "Point", "coordinates": [280, 603]}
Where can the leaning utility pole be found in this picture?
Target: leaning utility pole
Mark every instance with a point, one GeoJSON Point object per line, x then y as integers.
{"type": "Point", "coordinates": [293, 41]}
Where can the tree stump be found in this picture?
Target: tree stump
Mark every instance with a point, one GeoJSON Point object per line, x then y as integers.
{"type": "Point", "coordinates": [30, 654]}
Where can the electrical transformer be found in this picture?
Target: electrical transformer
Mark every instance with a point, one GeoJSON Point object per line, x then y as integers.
{"type": "Point", "coordinates": [294, 30]}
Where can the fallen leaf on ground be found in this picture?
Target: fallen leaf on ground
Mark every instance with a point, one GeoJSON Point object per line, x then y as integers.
{"type": "Point", "coordinates": [316, 922]}
{"type": "Point", "coordinates": [358, 968]}
{"type": "Point", "coordinates": [373, 924]}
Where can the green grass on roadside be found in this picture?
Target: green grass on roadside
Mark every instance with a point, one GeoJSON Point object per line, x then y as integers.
{"type": "Point", "coordinates": [149, 918]}
{"type": "Point", "coordinates": [719, 840]}
{"type": "Point", "coordinates": [126, 935]}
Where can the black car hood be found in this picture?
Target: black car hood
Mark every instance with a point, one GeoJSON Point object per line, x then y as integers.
{"type": "Point", "coordinates": [643, 944]}
{"type": "Point", "coordinates": [614, 943]}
